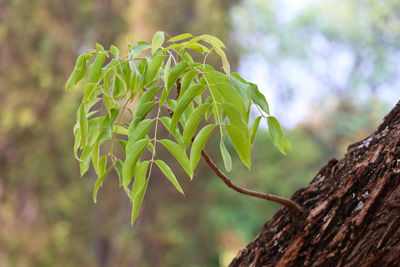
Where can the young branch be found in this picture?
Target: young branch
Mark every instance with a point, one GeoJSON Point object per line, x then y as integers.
{"type": "Point", "coordinates": [293, 206]}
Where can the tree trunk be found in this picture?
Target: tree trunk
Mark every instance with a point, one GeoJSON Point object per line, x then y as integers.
{"type": "Point", "coordinates": [352, 213]}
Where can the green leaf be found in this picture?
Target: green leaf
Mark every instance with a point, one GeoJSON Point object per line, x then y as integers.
{"type": "Point", "coordinates": [167, 71]}
{"type": "Point", "coordinates": [180, 37]}
{"type": "Point", "coordinates": [220, 87]}
{"type": "Point", "coordinates": [119, 129]}
{"type": "Point", "coordinates": [138, 49]}
{"type": "Point", "coordinates": [166, 121]}
{"type": "Point", "coordinates": [107, 126]}
{"type": "Point", "coordinates": [139, 131]}
{"type": "Point", "coordinates": [254, 129]}
{"type": "Point", "coordinates": [225, 156]}
{"type": "Point", "coordinates": [102, 174]}
{"type": "Point", "coordinates": [140, 177]}
{"type": "Point", "coordinates": [214, 41]}
{"type": "Point", "coordinates": [187, 80]}
{"type": "Point", "coordinates": [240, 141]}
{"type": "Point", "coordinates": [225, 63]}
{"type": "Point", "coordinates": [158, 40]}
{"type": "Point", "coordinates": [198, 48]}
{"type": "Point", "coordinates": [242, 87]}
{"type": "Point", "coordinates": [133, 153]}
{"type": "Point", "coordinates": [258, 98]}
{"type": "Point", "coordinates": [78, 73]}
{"type": "Point", "coordinates": [148, 95]}
{"type": "Point", "coordinates": [179, 154]}
{"type": "Point", "coordinates": [182, 103]}
{"type": "Point", "coordinates": [118, 167]}
{"type": "Point", "coordinates": [85, 160]}
{"type": "Point", "coordinates": [276, 134]}
{"type": "Point", "coordinates": [94, 74]}
{"type": "Point", "coordinates": [176, 71]}
{"type": "Point", "coordinates": [114, 50]}
{"type": "Point", "coordinates": [137, 201]}
{"type": "Point", "coordinates": [83, 124]}
{"type": "Point", "coordinates": [77, 143]}
{"type": "Point", "coordinates": [153, 69]}
{"type": "Point", "coordinates": [142, 111]}
{"type": "Point", "coordinates": [99, 47]}
{"type": "Point", "coordinates": [193, 121]}
{"type": "Point", "coordinates": [95, 156]}
{"type": "Point", "coordinates": [198, 145]}
{"type": "Point", "coordinates": [169, 174]}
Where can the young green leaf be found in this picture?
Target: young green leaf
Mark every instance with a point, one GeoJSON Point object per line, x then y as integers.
{"type": "Point", "coordinates": [240, 141]}
{"type": "Point", "coordinates": [140, 177]}
{"type": "Point", "coordinates": [99, 47]}
{"type": "Point", "coordinates": [137, 201]}
{"type": "Point", "coordinates": [133, 153]}
{"type": "Point", "coordinates": [254, 129]}
{"type": "Point", "coordinates": [258, 98]}
{"type": "Point", "coordinates": [182, 103]}
{"type": "Point", "coordinates": [83, 124]}
{"type": "Point", "coordinates": [214, 41]}
{"type": "Point", "coordinates": [142, 111]}
{"type": "Point", "coordinates": [225, 62]}
{"type": "Point", "coordinates": [166, 121]}
{"type": "Point", "coordinates": [78, 73]}
{"type": "Point", "coordinates": [118, 167]}
{"type": "Point", "coordinates": [119, 129]}
{"type": "Point", "coordinates": [225, 156]}
{"type": "Point", "coordinates": [102, 174]}
{"type": "Point", "coordinates": [167, 70]}
{"type": "Point", "coordinates": [193, 121]}
{"type": "Point", "coordinates": [94, 74]}
{"type": "Point", "coordinates": [139, 131]}
{"type": "Point", "coordinates": [180, 37]}
{"type": "Point", "coordinates": [138, 49]}
{"type": "Point", "coordinates": [198, 145]}
{"type": "Point", "coordinates": [179, 154]}
{"type": "Point", "coordinates": [114, 50]}
{"type": "Point", "coordinates": [276, 134]}
{"type": "Point", "coordinates": [242, 87]}
{"type": "Point", "coordinates": [158, 40]}
{"type": "Point", "coordinates": [187, 80]}
{"type": "Point", "coordinates": [176, 71]}
{"type": "Point", "coordinates": [85, 160]}
{"type": "Point", "coordinates": [153, 69]}
{"type": "Point", "coordinates": [169, 174]}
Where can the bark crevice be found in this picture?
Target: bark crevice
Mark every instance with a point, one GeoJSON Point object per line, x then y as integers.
{"type": "Point", "coordinates": [353, 211]}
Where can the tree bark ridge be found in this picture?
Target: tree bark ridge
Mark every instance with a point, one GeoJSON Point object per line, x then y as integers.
{"type": "Point", "coordinates": [353, 211]}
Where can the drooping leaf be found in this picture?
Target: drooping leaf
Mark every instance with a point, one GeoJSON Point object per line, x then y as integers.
{"type": "Point", "coordinates": [78, 73]}
{"type": "Point", "coordinates": [158, 40]}
{"type": "Point", "coordinates": [139, 131]}
{"type": "Point", "coordinates": [242, 87]}
{"type": "Point", "coordinates": [182, 103]}
{"type": "Point", "coordinates": [102, 174]}
{"type": "Point", "coordinates": [240, 142]}
{"type": "Point", "coordinates": [107, 126]}
{"type": "Point", "coordinates": [225, 63]}
{"type": "Point", "coordinates": [225, 156]}
{"type": "Point", "coordinates": [142, 111]}
{"type": "Point", "coordinates": [214, 41]}
{"type": "Point", "coordinates": [153, 69]}
{"type": "Point", "coordinates": [176, 71]}
{"type": "Point", "coordinates": [166, 121]}
{"type": "Point", "coordinates": [118, 167]}
{"type": "Point", "coordinates": [193, 121]}
{"type": "Point", "coordinates": [198, 145]}
{"type": "Point", "coordinates": [133, 153]}
{"type": "Point", "coordinates": [169, 174]}
{"type": "Point", "coordinates": [254, 129]}
{"type": "Point", "coordinates": [83, 124]}
{"type": "Point", "coordinates": [180, 37]}
{"type": "Point", "coordinates": [140, 177]}
{"type": "Point", "coordinates": [85, 160]}
{"type": "Point", "coordinates": [94, 74]}
{"type": "Point", "coordinates": [187, 80]}
{"type": "Point", "coordinates": [167, 71]}
{"type": "Point", "coordinates": [179, 154]}
{"type": "Point", "coordinates": [137, 201]}
{"type": "Point", "coordinates": [258, 98]}
{"type": "Point", "coordinates": [276, 134]}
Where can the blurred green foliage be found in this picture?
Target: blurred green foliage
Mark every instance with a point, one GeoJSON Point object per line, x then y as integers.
{"type": "Point", "coordinates": [47, 216]}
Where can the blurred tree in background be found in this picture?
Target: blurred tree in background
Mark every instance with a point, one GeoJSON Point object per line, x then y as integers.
{"type": "Point", "coordinates": [47, 215]}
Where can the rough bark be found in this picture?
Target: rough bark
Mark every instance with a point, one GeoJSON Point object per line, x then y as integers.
{"type": "Point", "coordinates": [352, 213]}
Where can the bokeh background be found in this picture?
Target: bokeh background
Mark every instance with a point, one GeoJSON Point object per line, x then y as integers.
{"type": "Point", "coordinates": [330, 70]}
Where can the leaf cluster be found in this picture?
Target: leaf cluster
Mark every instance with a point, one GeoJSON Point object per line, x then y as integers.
{"type": "Point", "coordinates": [124, 100]}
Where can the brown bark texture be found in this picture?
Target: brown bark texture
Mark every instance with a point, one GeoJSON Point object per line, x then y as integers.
{"type": "Point", "coordinates": [352, 213]}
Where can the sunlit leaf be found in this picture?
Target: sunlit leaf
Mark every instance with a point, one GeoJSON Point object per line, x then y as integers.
{"type": "Point", "coordinates": [153, 69]}
{"type": "Point", "coordinates": [158, 40]}
{"type": "Point", "coordinates": [179, 154]}
{"type": "Point", "coordinates": [180, 37]}
{"type": "Point", "coordinates": [258, 98]}
{"type": "Point", "coordinates": [182, 103]}
{"type": "Point", "coordinates": [193, 121]}
{"type": "Point", "coordinates": [254, 129]}
{"type": "Point", "coordinates": [169, 174]}
{"type": "Point", "coordinates": [114, 50]}
{"type": "Point", "coordinates": [225, 156]}
{"type": "Point", "coordinates": [198, 145]}
{"type": "Point", "coordinates": [276, 134]}
{"type": "Point", "coordinates": [138, 49]}
{"type": "Point", "coordinates": [137, 201]}
{"type": "Point", "coordinates": [78, 73]}
{"type": "Point", "coordinates": [133, 153]}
